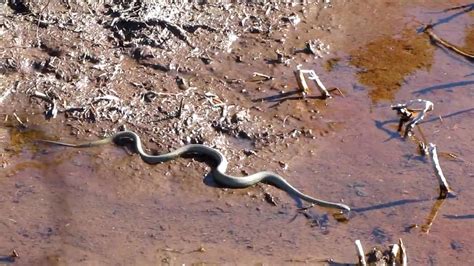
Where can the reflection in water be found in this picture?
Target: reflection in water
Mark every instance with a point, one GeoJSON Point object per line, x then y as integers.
{"type": "Point", "coordinates": [432, 216]}
{"type": "Point", "coordinates": [429, 220]}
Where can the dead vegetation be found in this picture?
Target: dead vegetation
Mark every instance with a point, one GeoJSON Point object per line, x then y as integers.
{"type": "Point", "coordinates": [122, 64]}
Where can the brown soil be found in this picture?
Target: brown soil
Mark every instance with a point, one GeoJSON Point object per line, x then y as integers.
{"type": "Point", "coordinates": [331, 64]}
{"type": "Point", "coordinates": [185, 74]}
{"type": "Point", "coordinates": [386, 62]}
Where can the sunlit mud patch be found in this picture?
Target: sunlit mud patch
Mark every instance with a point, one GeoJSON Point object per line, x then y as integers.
{"type": "Point", "coordinates": [384, 63]}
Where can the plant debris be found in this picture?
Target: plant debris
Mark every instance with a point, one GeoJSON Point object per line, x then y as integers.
{"type": "Point", "coordinates": [407, 113]}
{"type": "Point", "coordinates": [303, 86]}
{"type": "Point", "coordinates": [395, 254]}
{"type": "Point", "coordinates": [443, 183]}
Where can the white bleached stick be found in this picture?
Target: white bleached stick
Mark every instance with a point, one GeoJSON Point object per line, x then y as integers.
{"type": "Point", "coordinates": [443, 184]}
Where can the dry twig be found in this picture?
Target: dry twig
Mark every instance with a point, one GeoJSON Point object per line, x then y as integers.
{"type": "Point", "coordinates": [19, 121]}
{"type": "Point", "coordinates": [360, 253]}
{"type": "Point", "coordinates": [303, 86]}
{"type": "Point", "coordinates": [406, 111]}
{"type": "Point", "coordinates": [443, 183]}
{"type": "Point", "coordinates": [438, 40]}
{"type": "Point", "coordinates": [263, 76]}
{"type": "Point", "coordinates": [403, 253]}
{"type": "Point", "coordinates": [394, 252]}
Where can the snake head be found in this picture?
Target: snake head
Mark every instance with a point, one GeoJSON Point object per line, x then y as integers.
{"type": "Point", "coordinates": [122, 141]}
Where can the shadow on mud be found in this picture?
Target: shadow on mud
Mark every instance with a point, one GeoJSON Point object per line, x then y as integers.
{"type": "Point", "coordinates": [459, 217]}
{"type": "Point", "coordinates": [389, 204]}
{"type": "Point", "coordinates": [287, 96]}
{"type": "Point", "coordinates": [446, 86]}
{"type": "Point", "coordinates": [466, 9]}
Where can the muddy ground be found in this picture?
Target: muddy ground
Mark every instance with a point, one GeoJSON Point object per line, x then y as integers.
{"type": "Point", "coordinates": [179, 74]}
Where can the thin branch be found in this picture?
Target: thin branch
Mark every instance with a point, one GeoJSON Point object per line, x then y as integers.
{"type": "Point", "coordinates": [303, 86]}
{"type": "Point", "coordinates": [438, 40]}
{"type": "Point", "coordinates": [406, 110]}
{"type": "Point", "coordinates": [443, 183]}
{"type": "Point", "coordinates": [394, 252]}
{"type": "Point", "coordinates": [360, 253]}
{"type": "Point", "coordinates": [403, 253]}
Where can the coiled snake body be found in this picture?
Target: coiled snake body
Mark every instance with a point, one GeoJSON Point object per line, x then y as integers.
{"type": "Point", "coordinates": [218, 172]}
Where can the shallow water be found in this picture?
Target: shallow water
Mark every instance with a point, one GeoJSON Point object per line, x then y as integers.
{"type": "Point", "coordinates": [102, 206]}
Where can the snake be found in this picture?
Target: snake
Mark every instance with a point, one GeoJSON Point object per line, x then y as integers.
{"type": "Point", "coordinates": [218, 172]}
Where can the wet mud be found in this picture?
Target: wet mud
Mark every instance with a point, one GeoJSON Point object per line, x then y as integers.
{"type": "Point", "coordinates": [104, 205]}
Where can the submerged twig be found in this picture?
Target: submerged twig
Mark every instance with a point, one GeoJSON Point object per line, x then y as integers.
{"type": "Point", "coordinates": [443, 183]}
{"type": "Point", "coordinates": [438, 40]}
